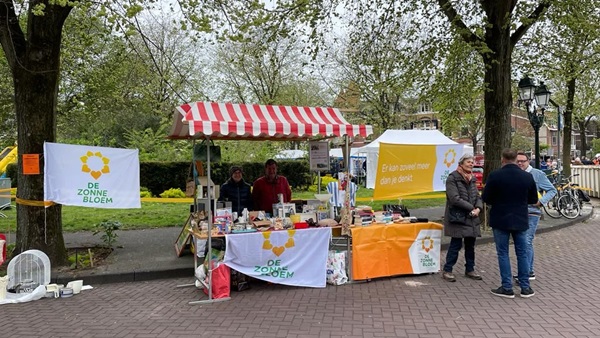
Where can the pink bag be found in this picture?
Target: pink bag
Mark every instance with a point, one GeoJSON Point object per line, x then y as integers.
{"type": "Point", "coordinates": [2, 248]}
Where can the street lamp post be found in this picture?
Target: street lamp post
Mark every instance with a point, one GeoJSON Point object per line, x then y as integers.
{"type": "Point", "coordinates": [534, 96]}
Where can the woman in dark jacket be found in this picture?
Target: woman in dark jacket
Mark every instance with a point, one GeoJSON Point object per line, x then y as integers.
{"type": "Point", "coordinates": [236, 191]}
{"type": "Point", "coordinates": [462, 198]}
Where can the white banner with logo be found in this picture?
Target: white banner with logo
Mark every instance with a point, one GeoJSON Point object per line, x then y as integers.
{"type": "Point", "coordinates": [90, 176]}
{"type": "Point", "coordinates": [425, 251]}
{"type": "Point", "coordinates": [290, 257]}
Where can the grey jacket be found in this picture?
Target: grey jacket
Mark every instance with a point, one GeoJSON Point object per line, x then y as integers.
{"type": "Point", "coordinates": [465, 196]}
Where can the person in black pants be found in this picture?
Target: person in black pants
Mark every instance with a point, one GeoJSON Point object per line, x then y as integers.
{"type": "Point", "coordinates": [509, 191]}
{"type": "Point", "coordinates": [236, 191]}
{"type": "Point", "coordinates": [463, 198]}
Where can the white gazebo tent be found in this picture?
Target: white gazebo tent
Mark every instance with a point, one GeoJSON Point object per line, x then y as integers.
{"type": "Point", "coordinates": [426, 137]}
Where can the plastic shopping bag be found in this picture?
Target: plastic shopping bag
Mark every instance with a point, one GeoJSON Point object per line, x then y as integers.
{"type": "Point", "coordinates": [336, 268]}
{"type": "Point", "coordinates": [221, 282]}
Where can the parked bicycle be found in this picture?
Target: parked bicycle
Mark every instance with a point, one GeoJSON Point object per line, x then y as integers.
{"type": "Point", "coordinates": [567, 202]}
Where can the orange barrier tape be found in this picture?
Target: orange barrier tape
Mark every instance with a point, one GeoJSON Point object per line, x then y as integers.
{"type": "Point", "coordinates": [34, 203]}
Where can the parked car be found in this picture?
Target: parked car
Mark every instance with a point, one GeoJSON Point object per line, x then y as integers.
{"type": "Point", "coordinates": [478, 160]}
{"type": "Point", "coordinates": [478, 173]}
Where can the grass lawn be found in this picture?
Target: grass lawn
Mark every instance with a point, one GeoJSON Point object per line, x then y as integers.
{"type": "Point", "coordinates": [172, 212]}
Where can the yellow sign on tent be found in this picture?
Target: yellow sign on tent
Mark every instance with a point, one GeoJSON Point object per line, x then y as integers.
{"type": "Point", "coordinates": [411, 169]}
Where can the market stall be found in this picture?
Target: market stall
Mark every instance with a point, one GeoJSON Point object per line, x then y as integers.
{"type": "Point", "coordinates": [214, 121]}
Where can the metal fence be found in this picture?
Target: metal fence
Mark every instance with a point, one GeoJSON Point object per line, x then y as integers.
{"type": "Point", "coordinates": [588, 179]}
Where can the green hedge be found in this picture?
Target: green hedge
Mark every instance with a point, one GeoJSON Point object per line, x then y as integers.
{"type": "Point", "coordinates": [11, 172]}
{"type": "Point", "coordinates": [161, 176]}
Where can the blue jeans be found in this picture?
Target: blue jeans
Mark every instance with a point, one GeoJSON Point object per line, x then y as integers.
{"type": "Point", "coordinates": [501, 238]}
{"type": "Point", "coordinates": [454, 249]}
{"type": "Point", "coordinates": [530, 234]}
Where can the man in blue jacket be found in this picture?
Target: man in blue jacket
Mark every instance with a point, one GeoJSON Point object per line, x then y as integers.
{"type": "Point", "coordinates": [237, 191]}
{"type": "Point", "coordinates": [543, 185]}
{"type": "Point", "coordinates": [509, 190]}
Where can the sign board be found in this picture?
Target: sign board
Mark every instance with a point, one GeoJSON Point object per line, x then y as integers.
{"type": "Point", "coordinates": [31, 164]}
{"type": "Point", "coordinates": [405, 169]}
{"type": "Point", "coordinates": [184, 238]}
{"type": "Point", "coordinates": [319, 155]}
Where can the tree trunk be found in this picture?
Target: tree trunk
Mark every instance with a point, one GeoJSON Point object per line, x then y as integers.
{"type": "Point", "coordinates": [34, 59]}
{"type": "Point", "coordinates": [37, 227]}
{"type": "Point", "coordinates": [498, 99]}
{"type": "Point", "coordinates": [581, 125]}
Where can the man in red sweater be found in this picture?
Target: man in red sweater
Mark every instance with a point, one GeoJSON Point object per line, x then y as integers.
{"type": "Point", "coordinates": [266, 188]}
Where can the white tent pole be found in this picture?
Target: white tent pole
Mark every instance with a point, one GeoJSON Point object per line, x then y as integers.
{"type": "Point", "coordinates": [347, 155]}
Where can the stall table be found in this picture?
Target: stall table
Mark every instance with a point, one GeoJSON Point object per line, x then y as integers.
{"type": "Point", "coordinates": [381, 250]}
{"type": "Point", "coordinates": [289, 257]}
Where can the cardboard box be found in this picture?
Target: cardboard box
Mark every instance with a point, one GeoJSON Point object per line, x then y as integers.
{"type": "Point", "coordinates": [259, 224]}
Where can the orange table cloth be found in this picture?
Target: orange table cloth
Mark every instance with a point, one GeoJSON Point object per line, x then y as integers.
{"type": "Point", "coordinates": [395, 249]}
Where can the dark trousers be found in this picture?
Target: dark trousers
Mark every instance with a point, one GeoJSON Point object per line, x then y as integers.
{"type": "Point", "coordinates": [454, 249]}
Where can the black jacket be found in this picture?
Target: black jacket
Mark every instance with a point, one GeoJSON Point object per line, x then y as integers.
{"type": "Point", "coordinates": [509, 190]}
{"type": "Point", "coordinates": [238, 194]}
{"type": "Point", "coordinates": [463, 195]}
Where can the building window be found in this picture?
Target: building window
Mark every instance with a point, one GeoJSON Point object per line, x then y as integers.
{"type": "Point", "coordinates": [426, 124]}
{"type": "Point", "coordinates": [424, 108]}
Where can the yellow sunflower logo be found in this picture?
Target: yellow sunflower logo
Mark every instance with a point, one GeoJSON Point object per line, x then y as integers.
{"type": "Point", "coordinates": [449, 157]}
{"type": "Point", "coordinates": [427, 244]}
{"type": "Point", "coordinates": [278, 250]}
{"type": "Point", "coordinates": [98, 162]}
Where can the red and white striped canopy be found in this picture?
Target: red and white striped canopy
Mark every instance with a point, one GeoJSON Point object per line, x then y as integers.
{"type": "Point", "coordinates": [253, 121]}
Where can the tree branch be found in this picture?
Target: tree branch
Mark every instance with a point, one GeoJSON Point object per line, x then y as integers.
{"type": "Point", "coordinates": [462, 29]}
{"type": "Point", "coordinates": [11, 35]}
{"type": "Point", "coordinates": [531, 19]}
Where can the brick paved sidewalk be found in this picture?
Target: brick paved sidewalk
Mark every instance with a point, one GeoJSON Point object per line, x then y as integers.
{"type": "Point", "coordinates": [565, 304]}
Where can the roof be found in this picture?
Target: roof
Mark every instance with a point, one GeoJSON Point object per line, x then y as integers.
{"type": "Point", "coordinates": [411, 136]}
{"type": "Point", "coordinates": [253, 121]}
{"type": "Point", "coordinates": [291, 154]}
{"type": "Point", "coordinates": [339, 152]}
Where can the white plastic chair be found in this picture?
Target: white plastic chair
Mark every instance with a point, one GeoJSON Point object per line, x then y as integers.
{"type": "Point", "coordinates": [337, 198]}
{"type": "Point", "coordinates": [2, 207]}
{"type": "Point", "coordinates": [31, 266]}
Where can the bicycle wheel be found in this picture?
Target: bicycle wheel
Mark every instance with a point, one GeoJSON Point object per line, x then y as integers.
{"type": "Point", "coordinates": [569, 207]}
{"type": "Point", "coordinates": [551, 209]}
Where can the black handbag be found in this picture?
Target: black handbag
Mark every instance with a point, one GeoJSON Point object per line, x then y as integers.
{"type": "Point", "coordinates": [397, 209]}
{"type": "Point", "coordinates": [200, 153]}
{"type": "Point", "coordinates": [583, 195]}
{"type": "Point", "coordinates": [457, 215]}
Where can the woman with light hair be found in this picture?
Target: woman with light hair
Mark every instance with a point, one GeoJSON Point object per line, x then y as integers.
{"type": "Point", "coordinates": [461, 218]}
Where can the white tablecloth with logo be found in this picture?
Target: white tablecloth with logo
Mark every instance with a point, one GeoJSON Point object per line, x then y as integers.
{"type": "Point", "coordinates": [290, 257]}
